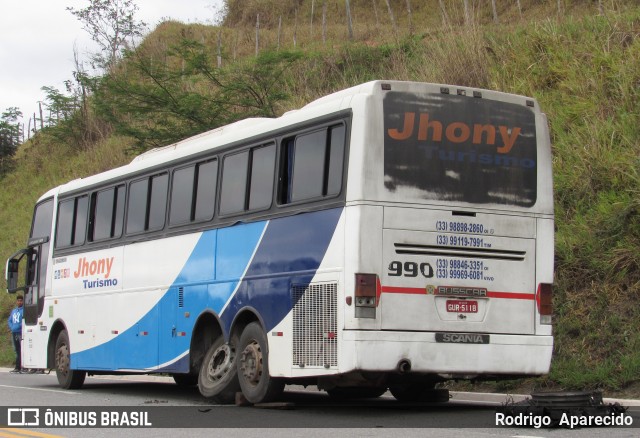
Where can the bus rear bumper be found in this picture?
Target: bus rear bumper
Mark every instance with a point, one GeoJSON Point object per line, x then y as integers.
{"type": "Point", "coordinates": [381, 351]}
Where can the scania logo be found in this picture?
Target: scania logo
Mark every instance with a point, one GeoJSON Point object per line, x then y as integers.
{"type": "Point", "coordinates": [462, 338]}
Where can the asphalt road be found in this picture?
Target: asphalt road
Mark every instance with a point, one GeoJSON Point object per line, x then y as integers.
{"type": "Point", "coordinates": [174, 411]}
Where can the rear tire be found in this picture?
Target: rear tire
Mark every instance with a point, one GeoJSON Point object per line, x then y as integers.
{"type": "Point", "coordinates": [218, 377]}
{"type": "Point", "coordinates": [67, 378]}
{"type": "Point", "coordinates": [253, 367]}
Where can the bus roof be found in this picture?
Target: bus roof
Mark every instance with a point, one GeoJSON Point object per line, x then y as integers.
{"type": "Point", "coordinates": [247, 128]}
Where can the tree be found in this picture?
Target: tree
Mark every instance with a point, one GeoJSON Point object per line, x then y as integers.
{"type": "Point", "coordinates": [10, 136]}
{"type": "Point", "coordinates": [111, 24]}
{"type": "Point", "coordinates": [165, 97]}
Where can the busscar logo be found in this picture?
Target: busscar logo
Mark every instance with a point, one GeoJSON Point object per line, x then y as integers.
{"type": "Point", "coordinates": [23, 417]}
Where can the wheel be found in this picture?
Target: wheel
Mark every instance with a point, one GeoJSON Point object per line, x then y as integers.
{"type": "Point", "coordinates": [185, 380]}
{"type": "Point", "coordinates": [253, 367]}
{"type": "Point", "coordinates": [350, 392]}
{"type": "Point", "coordinates": [67, 378]}
{"type": "Point", "coordinates": [218, 376]}
{"type": "Point", "coordinates": [419, 393]}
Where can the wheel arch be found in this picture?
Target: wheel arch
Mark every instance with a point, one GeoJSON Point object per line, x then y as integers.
{"type": "Point", "coordinates": [57, 327]}
{"type": "Point", "coordinates": [207, 328]}
{"type": "Point", "coordinates": [243, 318]}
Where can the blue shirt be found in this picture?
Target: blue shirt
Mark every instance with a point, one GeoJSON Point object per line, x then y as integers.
{"type": "Point", "coordinates": [15, 320]}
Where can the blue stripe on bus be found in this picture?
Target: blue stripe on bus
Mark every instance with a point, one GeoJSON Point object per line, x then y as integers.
{"type": "Point", "coordinates": [133, 349]}
{"type": "Point", "coordinates": [294, 246]}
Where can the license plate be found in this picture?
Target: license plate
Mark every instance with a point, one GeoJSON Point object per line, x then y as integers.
{"type": "Point", "coordinates": [462, 306]}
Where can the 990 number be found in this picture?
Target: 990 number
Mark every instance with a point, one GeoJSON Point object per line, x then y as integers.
{"type": "Point", "coordinates": [409, 269]}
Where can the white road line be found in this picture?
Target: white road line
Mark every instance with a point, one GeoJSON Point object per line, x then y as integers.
{"type": "Point", "coordinates": [60, 391]}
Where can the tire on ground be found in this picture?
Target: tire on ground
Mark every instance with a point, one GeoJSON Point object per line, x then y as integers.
{"type": "Point", "coordinates": [67, 378]}
{"type": "Point", "coordinates": [218, 378]}
{"type": "Point", "coordinates": [253, 366]}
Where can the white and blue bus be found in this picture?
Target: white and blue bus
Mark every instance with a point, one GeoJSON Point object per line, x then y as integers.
{"type": "Point", "coordinates": [392, 235]}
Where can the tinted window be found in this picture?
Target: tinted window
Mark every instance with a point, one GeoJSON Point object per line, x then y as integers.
{"type": "Point", "coordinates": [308, 166]}
{"type": "Point", "coordinates": [72, 222]}
{"type": "Point", "coordinates": [312, 165]}
{"type": "Point", "coordinates": [182, 195]}
{"type": "Point", "coordinates": [453, 148]}
{"type": "Point", "coordinates": [108, 209]}
{"type": "Point", "coordinates": [262, 173]}
{"type": "Point", "coordinates": [103, 214]}
{"type": "Point", "coordinates": [64, 230]}
{"type": "Point", "coordinates": [137, 206]}
{"type": "Point", "coordinates": [206, 190]}
{"type": "Point", "coordinates": [234, 183]}
{"type": "Point", "coordinates": [80, 226]}
{"type": "Point", "coordinates": [158, 202]}
{"type": "Point", "coordinates": [119, 214]}
{"type": "Point", "coordinates": [42, 220]}
{"type": "Point", "coordinates": [336, 159]}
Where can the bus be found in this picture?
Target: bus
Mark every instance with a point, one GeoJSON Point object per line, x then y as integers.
{"type": "Point", "coordinates": [389, 236]}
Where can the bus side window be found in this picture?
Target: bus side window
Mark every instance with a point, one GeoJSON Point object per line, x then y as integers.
{"type": "Point", "coordinates": [333, 182]}
{"type": "Point", "coordinates": [147, 204]}
{"type": "Point", "coordinates": [247, 180]}
{"type": "Point", "coordinates": [107, 208]}
{"type": "Point", "coordinates": [137, 206]}
{"type": "Point", "coordinates": [263, 161]}
{"type": "Point", "coordinates": [182, 189]}
{"type": "Point", "coordinates": [311, 165]}
{"type": "Point", "coordinates": [233, 190]}
{"type": "Point", "coordinates": [72, 222]}
{"type": "Point", "coordinates": [206, 181]}
{"type": "Point", "coordinates": [193, 193]}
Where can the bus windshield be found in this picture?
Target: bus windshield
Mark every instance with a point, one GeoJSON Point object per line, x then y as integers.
{"type": "Point", "coordinates": [460, 149]}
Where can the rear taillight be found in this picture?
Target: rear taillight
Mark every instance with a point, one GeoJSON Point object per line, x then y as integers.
{"type": "Point", "coordinates": [545, 302]}
{"type": "Point", "coordinates": [367, 293]}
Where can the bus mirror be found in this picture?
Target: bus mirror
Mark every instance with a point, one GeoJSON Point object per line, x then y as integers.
{"type": "Point", "coordinates": [17, 271]}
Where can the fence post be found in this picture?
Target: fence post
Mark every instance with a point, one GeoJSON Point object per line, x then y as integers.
{"type": "Point", "coordinates": [41, 117]}
{"type": "Point", "coordinates": [445, 17]}
{"type": "Point", "coordinates": [410, 17]}
{"type": "Point", "coordinates": [279, 30]}
{"type": "Point", "coordinates": [467, 14]}
{"type": "Point", "coordinates": [519, 8]}
{"type": "Point", "coordinates": [257, 33]}
{"type": "Point", "coordinates": [295, 29]}
{"type": "Point", "coordinates": [219, 47]}
{"type": "Point", "coordinates": [393, 19]}
{"type": "Point", "coordinates": [324, 22]}
{"type": "Point", "coordinates": [349, 22]}
{"type": "Point", "coordinates": [313, 5]}
{"type": "Point", "coordinates": [375, 11]}
{"type": "Point", "coordinates": [495, 11]}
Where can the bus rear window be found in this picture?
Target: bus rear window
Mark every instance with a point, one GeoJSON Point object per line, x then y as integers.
{"type": "Point", "coordinates": [459, 149]}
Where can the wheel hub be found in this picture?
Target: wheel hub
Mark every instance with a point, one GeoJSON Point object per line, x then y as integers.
{"type": "Point", "coordinates": [62, 359]}
{"type": "Point", "coordinates": [252, 363]}
{"type": "Point", "coordinates": [221, 362]}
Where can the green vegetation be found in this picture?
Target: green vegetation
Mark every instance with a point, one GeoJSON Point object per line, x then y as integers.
{"type": "Point", "coordinates": [583, 67]}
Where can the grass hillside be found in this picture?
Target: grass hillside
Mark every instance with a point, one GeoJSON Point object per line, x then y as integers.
{"type": "Point", "coordinates": [581, 62]}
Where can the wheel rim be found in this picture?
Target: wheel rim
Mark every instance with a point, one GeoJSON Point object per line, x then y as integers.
{"type": "Point", "coordinates": [62, 360]}
{"type": "Point", "coordinates": [221, 362]}
{"type": "Point", "coordinates": [252, 363]}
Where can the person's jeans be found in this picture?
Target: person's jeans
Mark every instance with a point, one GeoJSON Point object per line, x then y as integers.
{"type": "Point", "coordinates": [17, 337]}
